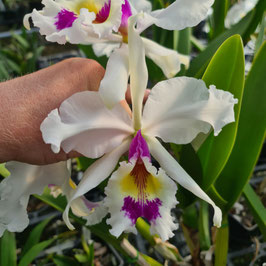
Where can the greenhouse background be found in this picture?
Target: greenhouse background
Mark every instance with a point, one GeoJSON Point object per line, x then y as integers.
{"type": "Point", "coordinates": [226, 49]}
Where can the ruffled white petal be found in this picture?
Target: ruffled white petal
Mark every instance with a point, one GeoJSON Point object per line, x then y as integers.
{"type": "Point", "coordinates": [138, 71]}
{"type": "Point", "coordinates": [158, 186]}
{"type": "Point", "coordinates": [16, 189]}
{"type": "Point", "coordinates": [83, 29]}
{"type": "Point", "coordinates": [105, 48]}
{"type": "Point", "coordinates": [178, 109]}
{"type": "Point", "coordinates": [85, 125]}
{"type": "Point", "coordinates": [177, 173]}
{"type": "Point", "coordinates": [141, 5]}
{"type": "Point", "coordinates": [168, 60]}
{"type": "Point", "coordinates": [177, 16]}
{"type": "Point", "coordinates": [114, 84]}
{"type": "Point", "coordinates": [95, 174]}
{"type": "Point", "coordinates": [113, 21]}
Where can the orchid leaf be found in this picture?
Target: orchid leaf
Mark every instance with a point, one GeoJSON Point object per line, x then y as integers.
{"type": "Point", "coordinates": [250, 135]}
{"type": "Point", "coordinates": [220, 8]}
{"type": "Point", "coordinates": [32, 253]}
{"type": "Point", "coordinates": [35, 235]}
{"type": "Point", "coordinates": [226, 71]}
{"type": "Point", "coordinates": [245, 28]}
{"type": "Point", "coordinates": [256, 207]}
{"type": "Point", "coordinates": [8, 249]}
{"type": "Point", "coordinates": [61, 260]}
{"type": "Point", "coordinates": [183, 41]}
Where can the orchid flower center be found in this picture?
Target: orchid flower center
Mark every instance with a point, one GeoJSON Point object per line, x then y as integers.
{"type": "Point", "coordinates": [140, 185]}
{"type": "Point", "coordinates": [65, 18]}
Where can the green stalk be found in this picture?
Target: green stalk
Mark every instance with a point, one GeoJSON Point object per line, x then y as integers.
{"type": "Point", "coordinates": [221, 243]}
{"type": "Point", "coordinates": [204, 233]}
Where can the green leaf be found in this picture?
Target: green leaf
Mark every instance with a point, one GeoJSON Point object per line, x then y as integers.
{"type": "Point", "coordinates": [183, 41]}
{"type": "Point", "coordinates": [35, 235]}
{"type": "Point", "coordinates": [204, 233]}
{"type": "Point", "coordinates": [261, 35]}
{"type": "Point", "coordinates": [226, 72]}
{"type": "Point", "coordinates": [32, 253]}
{"type": "Point", "coordinates": [244, 28]}
{"type": "Point", "coordinates": [256, 207]}
{"type": "Point", "coordinates": [81, 258]}
{"type": "Point", "coordinates": [221, 243]}
{"type": "Point", "coordinates": [250, 135]}
{"type": "Point", "coordinates": [3, 171]}
{"type": "Point", "coordinates": [220, 8]}
{"type": "Point", "coordinates": [8, 249]}
{"type": "Point", "coordinates": [61, 260]}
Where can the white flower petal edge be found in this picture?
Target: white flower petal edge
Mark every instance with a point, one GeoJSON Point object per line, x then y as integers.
{"type": "Point", "coordinates": [158, 186]}
{"type": "Point", "coordinates": [95, 174]}
{"type": "Point", "coordinates": [185, 107]}
{"type": "Point", "coordinates": [167, 59]}
{"type": "Point", "coordinates": [16, 189]}
{"type": "Point", "coordinates": [105, 48]}
{"type": "Point", "coordinates": [178, 174]}
{"type": "Point", "coordinates": [179, 15]}
{"type": "Point", "coordinates": [114, 84]}
{"type": "Point", "coordinates": [85, 125]}
{"type": "Point", "coordinates": [92, 212]}
{"type": "Point", "coordinates": [138, 71]}
{"type": "Point", "coordinates": [140, 5]}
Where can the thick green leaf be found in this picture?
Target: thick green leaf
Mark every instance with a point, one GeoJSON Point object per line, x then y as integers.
{"type": "Point", "coordinates": [226, 72]}
{"type": "Point", "coordinates": [220, 8]}
{"type": "Point", "coordinates": [34, 252]}
{"type": "Point", "coordinates": [250, 135]}
{"type": "Point", "coordinates": [35, 236]}
{"type": "Point", "coordinates": [256, 207]}
{"type": "Point", "coordinates": [61, 260]}
{"type": "Point", "coordinates": [261, 35]}
{"type": "Point", "coordinates": [244, 28]}
{"type": "Point", "coordinates": [8, 249]}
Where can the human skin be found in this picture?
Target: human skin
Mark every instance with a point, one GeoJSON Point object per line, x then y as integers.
{"type": "Point", "coordinates": [27, 100]}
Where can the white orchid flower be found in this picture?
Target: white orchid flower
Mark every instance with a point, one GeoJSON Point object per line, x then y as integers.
{"type": "Point", "coordinates": [176, 111]}
{"type": "Point", "coordinates": [104, 23]}
{"type": "Point", "coordinates": [238, 11]}
{"type": "Point", "coordinates": [25, 180]}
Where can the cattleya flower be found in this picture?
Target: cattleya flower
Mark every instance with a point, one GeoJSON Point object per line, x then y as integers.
{"type": "Point", "coordinates": [176, 111]}
{"type": "Point", "coordinates": [25, 180]}
{"type": "Point", "coordinates": [104, 23]}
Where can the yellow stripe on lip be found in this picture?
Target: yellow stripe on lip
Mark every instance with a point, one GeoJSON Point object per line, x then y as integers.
{"type": "Point", "coordinates": [88, 4]}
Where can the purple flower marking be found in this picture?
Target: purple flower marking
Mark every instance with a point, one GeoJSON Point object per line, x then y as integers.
{"type": "Point", "coordinates": [126, 13]}
{"type": "Point", "coordinates": [65, 19]}
{"type": "Point", "coordinates": [138, 148]}
{"type": "Point", "coordinates": [135, 209]}
{"type": "Point", "coordinates": [103, 14]}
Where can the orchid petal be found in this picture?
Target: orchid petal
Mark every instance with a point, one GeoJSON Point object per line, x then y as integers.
{"type": "Point", "coordinates": [86, 125]}
{"type": "Point", "coordinates": [95, 174]}
{"type": "Point", "coordinates": [114, 84]}
{"type": "Point", "coordinates": [92, 212]}
{"type": "Point", "coordinates": [138, 71]}
{"type": "Point", "coordinates": [16, 189]}
{"type": "Point", "coordinates": [177, 16]}
{"type": "Point", "coordinates": [178, 109]}
{"type": "Point", "coordinates": [178, 174]}
{"type": "Point", "coordinates": [141, 5]}
{"type": "Point", "coordinates": [167, 59]}
{"type": "Point", "coordinates": [138, 190]}
{"type": "Point", "coordinates": [112, 22]}
{"type": "Point", "coordinates": [105, 48]}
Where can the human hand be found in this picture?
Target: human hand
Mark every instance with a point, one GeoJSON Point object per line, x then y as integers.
{"type": "Point", "coordinates": [27, 100]}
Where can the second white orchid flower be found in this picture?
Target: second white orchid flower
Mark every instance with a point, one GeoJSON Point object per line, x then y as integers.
{"type": "Point", "coordinates": [176, 111]}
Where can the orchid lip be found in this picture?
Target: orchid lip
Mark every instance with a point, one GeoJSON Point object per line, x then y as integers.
{"type": "Point", "coordinates": [138, 148]}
